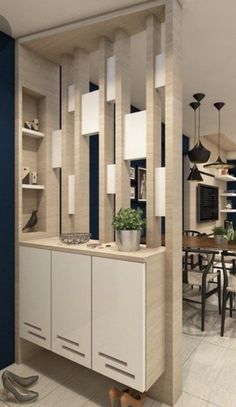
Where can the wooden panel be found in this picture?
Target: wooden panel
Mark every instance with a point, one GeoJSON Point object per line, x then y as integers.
{"type": "Point", "coordinates": [85, 33]}
{"type": "Point", "coordinates": [106, 146]}
{"type": "Point", "coordinates": [168, 388]}
{"type": "Point", "coordinates": [67, 141]}
{"type": "Point", "coordinates": [153, 107]}
{"type": "Point", "coordinates": [81, 144]}
{"type": "Point", "coordinates": [122, 54]}
{"type": "Point", "coordinates": [155, 318]}
{"type": "Point", "coordinates": [71, 307]}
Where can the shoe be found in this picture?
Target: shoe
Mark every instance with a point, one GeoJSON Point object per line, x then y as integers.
{"type": "Point", "coordinates": [22, 381]}
{"type": "Point", "coordinates": [115, 394]}
{"type": "Point", "coordinates": [127, 400]}
{"type": "Point", "coordinates": [21, 394]}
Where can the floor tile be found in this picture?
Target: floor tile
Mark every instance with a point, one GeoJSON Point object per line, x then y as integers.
{"type": "Point", "coordinates": [189, 345]}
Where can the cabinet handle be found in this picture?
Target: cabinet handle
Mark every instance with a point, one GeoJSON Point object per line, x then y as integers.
{"type": "Point", "coordinates": [67, 340]}
{"type": "Point", "coordinates": [113, 359]}
{"type": "Point", "coordinates": [32, 326]}
{"type": "Point", "coordinates": [37, 336]}
{"type": "Point", "coordinates": [73, 351]}
{"type": "Point", "coordinates": [120, 371]}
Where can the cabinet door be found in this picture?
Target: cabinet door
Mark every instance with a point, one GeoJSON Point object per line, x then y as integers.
{"type": "Point", "coordinates": [118, 317]}
{"type": "Point", "coordinates": [71, 306]}
{"type": "Point", "coordinates": [35, 296]}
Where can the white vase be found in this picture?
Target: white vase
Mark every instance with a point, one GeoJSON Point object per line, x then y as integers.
{"type": "Point", "coordinates": [128, 240]}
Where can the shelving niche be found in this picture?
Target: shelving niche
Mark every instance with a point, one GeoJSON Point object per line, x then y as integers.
{"type": "Point", "coordinates": [33, 156]}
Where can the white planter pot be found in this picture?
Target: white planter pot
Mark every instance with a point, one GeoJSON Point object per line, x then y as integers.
{"type": "Point", "coordinates": [128, 240]}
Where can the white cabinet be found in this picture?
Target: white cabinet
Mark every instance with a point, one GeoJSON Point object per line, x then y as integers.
{"type": "Point", "coordinates": [35, 296]}
{"type": "Point", "coordinates": [71, 306]}
{"type": "Point", "coordinates": [119, 320]}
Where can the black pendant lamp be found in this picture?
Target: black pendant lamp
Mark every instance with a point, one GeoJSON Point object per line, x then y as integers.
{"type": "Point", "coordinates": [194, 174]}
{"type": "Point", "coordinates": [198, 154]}
{"type": "Point", "coordinates": [219, 163]}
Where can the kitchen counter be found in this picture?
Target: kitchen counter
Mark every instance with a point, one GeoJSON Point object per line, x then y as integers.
{"type": "Point", "coordinates": [108, 250]}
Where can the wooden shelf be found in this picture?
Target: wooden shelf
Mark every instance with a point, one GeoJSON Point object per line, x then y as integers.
{"type": "Point", "coordinates": [228, 210]}
{"type": "Point", "coordinates": [230, 194]}
{"type": "Point", "coordinates": [30, 186]}
{"type": "Point", "coordinates": [32, 133]}
{"type": "Point", "coordinates": [226, 178]}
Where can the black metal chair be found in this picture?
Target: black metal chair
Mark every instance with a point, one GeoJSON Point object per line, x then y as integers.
{"type": "Point", "coordinates": [191, 258]}
{"type": "Point", "coordinates": [229, 287]}
{"type": "Point", "coordinates": [201, 276]}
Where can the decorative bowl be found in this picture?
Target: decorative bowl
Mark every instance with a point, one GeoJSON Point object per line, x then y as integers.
{"type": "Point", "coordinates": [75, 238]}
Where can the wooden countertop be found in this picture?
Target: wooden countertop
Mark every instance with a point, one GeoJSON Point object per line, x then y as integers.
{"type": "Point", "coordinates": [144, 255]}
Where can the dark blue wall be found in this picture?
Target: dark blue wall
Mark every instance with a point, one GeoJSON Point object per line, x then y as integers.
{"type": "Point", "coordinates": [7, 97]}
{"type": "Point", "coordinates": [232, 185]}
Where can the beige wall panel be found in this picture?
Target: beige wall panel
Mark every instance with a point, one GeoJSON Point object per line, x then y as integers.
{"type": "Point", "coordinates": [122, 54]}
{"type": "Point", "coordinates": [168, 388]}
{"type": "Point", "coordinates": [81, 144]}
{"type": "Point", "coordinates": [106, 146]}
{"type": "Point", "coordinates": [67, 140]}
{"type": "Point", "coordinates": [153, 107]}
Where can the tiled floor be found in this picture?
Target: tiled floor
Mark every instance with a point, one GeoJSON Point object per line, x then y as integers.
{"type": "Point", "coordinates": [209, 370]}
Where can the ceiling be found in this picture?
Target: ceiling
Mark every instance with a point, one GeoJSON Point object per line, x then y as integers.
{"type": "Point", "coordinates": [209, 57]}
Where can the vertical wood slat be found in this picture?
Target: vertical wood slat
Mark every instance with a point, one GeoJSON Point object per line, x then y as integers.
{"type": "Point", "coordinates": [67, 141]}
{"type": "Point", "coordinates": [106, 145]}
{"type": "Point", "coordinates": [168, 388]}
{"type": "Point", "coordinates": [81, 143]}
{"type": "Point", "coordinates": [153, 107]}
{"type": "Point", "coordinates": [122, 55]}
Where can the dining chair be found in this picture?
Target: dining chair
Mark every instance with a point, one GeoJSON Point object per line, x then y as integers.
{"type": "Point", "coordinates": [192, 259]}
{"type": "Point", "coordinates": [201, 276]}
{"type": "Point", "coordinates": [229, 286]}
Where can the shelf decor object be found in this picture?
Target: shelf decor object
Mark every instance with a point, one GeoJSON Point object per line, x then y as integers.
{"type": "Point", "coordinates": [71, 195]}
{"type": "Point", "coordinates": [219, 163]}
{"type": "Point", "coordinates": [111, 179]}
{"type": "Point", "coordinates": [71, 98]}
{"type": "Point", "coordinates": [135, 145]}
{"type": "Point", "coordinates": [90, 113]}
{"type": "Point", "coordinates": [198, 154]}
{"type": "Point", "coordinates": [56, 149]}
{"type": "Point", "coordinates": [74, 238]}
{"type": "Point", "coordinates": [160, 71]}
{"type": "Point", "coordinates": [160, 191]}
{"type": "Point", "coordinates": [111, 79]}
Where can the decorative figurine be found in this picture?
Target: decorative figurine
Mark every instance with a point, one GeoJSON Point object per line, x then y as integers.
{"type": "Point", "coordinates": [27, 125]}
{"type": "Point", "coordinates": [31, 222]}
{"type": "Point", "coordinates": [35, 124]}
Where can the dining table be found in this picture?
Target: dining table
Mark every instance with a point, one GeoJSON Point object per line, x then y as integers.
{"type": "Point", "coordinates": [206, 242]}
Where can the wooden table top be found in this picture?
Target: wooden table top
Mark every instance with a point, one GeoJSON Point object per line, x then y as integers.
{"type": "Point", "coordinates": [204, 242]}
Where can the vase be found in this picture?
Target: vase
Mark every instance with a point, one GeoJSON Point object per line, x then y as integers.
{"type": "Point", "coordinates": [128, 240]}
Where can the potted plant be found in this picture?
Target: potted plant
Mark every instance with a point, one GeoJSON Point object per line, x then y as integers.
{"type": "Point", "coordinates": [128, 224]}
{"type": "Point", "coordinates": [219, 233]}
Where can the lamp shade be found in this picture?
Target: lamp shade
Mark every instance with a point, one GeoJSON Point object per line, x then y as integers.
{"type": "Point", "coordinates": [219, 163]}
{"type": "Point", "coordinates": [199, 154]}
{"type": "Point", "coordinates": [195, 174]}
